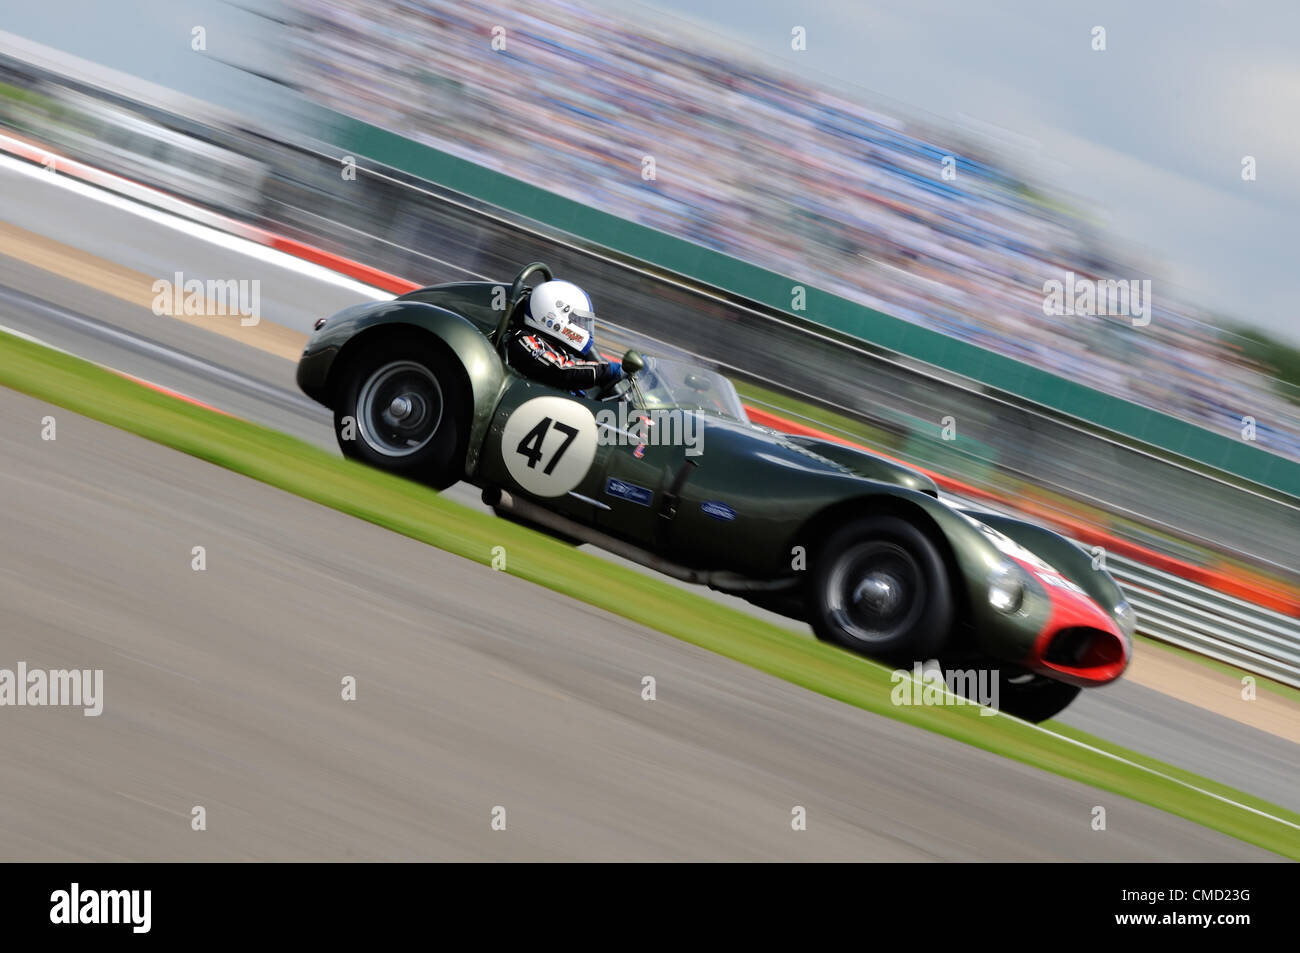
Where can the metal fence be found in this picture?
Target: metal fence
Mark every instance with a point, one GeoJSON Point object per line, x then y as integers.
{"type": "Point", "coordinates": [1182, 613]}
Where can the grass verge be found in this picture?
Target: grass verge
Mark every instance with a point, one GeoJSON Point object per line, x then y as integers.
{"type": "Point", "coordinates": [419, 513]}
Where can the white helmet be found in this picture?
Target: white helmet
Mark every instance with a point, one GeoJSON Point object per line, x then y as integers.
{"type": "Point", "coordinates": [563, 311]}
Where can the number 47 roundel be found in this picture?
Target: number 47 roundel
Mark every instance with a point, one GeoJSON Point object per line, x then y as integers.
{"type": "Point", "coordinates": [549, 444]}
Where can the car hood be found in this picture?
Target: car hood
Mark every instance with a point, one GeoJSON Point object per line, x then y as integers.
{"type": "Point", "coordinates": [812, 453]}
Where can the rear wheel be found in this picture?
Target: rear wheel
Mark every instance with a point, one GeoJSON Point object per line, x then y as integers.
{"type": "Point", "coordinates": [402, 408]}
{"type": "Point", "coordinates": [880, 587]}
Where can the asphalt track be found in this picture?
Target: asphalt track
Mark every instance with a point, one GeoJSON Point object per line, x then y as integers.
{"type": "Point", "coordinates": [222, 689]}
{"type": "Point", "coordinates": [477, 698]}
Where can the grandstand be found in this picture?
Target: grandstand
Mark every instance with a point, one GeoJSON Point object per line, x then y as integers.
{"type": "Point", "coordinates": [790, 175]}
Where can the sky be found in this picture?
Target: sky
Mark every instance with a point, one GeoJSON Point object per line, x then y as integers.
{"type": "Point", "coordinates": [1146, 137]}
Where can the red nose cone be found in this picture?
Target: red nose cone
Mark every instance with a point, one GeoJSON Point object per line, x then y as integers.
{"type": "Point", "coordinates": [1080, 643]}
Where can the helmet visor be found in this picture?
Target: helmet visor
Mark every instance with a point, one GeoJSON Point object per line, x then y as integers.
{"type": "Point", "coordinates": [585, 320]}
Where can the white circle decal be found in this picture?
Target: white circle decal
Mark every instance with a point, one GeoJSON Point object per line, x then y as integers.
{"type": "Point", "coordinates": [548, 445]}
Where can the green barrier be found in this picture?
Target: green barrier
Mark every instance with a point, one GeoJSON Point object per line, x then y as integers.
{"type": "Point", "coordinates": [1222, 451]}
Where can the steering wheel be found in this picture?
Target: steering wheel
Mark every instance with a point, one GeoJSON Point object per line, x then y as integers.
{"type": "Point", "coordinates": [517, 289]}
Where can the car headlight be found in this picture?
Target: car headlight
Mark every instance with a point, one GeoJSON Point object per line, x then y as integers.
{"type": "Point", "coordinates": [1007, 588]}
{"type": "Point", "coordinates": [1126, 617]}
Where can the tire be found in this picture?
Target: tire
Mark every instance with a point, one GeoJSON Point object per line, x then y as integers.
{"type": "Point", "coordinates": [1034, 697]}
{"type": "Point", "coordinates": [423, 438]}
{"type": "Point", "coordinates": [879, 587]}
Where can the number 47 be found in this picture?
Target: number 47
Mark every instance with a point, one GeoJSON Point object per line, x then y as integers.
{"type": "Point", "coordinates": [531, 445]}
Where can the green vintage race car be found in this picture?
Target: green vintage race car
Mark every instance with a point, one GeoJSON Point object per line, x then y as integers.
{"type": "Point", "coordinates": [666, 469]}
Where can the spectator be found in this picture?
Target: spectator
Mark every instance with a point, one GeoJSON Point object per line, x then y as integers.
{"type": "Point", "coordinates": [763, 166]}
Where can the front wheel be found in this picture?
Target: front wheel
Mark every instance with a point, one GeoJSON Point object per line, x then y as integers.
{"type": "Point", "coordinates": [403, 409]}
{"type": "Point", "coordinates": [880, 587]}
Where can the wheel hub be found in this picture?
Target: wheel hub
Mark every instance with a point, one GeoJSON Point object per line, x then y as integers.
{"type": "Point", "coordinates": [399, 408]}
{"type": "Point", "coordinates": [875, 591]}
{"type": "Point", "coordinates": [880, 592]}
{"type": "Point", "coordinates": [405, 414]}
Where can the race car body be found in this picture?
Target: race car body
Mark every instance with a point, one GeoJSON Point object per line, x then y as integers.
{"type": "Point", "coordinates": [666, 469]}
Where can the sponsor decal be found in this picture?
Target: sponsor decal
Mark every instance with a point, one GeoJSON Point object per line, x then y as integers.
{"type": "Point", "coordinates": [629, 491]}
{"type": "Point", "coordinates": [718, 510]}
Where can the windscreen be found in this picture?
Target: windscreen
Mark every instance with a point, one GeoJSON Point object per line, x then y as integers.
{"type": "Point", "coordinates": [676, 385]}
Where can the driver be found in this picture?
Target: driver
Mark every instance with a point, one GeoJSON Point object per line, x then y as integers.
{"type": "Point", "coordinates": [557, 339]}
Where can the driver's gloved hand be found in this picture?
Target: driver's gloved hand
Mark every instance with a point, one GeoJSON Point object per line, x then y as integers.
{"type": "Point", "coordinates": [609, 376]}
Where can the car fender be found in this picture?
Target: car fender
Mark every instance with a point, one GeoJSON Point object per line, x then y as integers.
{"type": "Point", "coordinates": [977, 552]}
{"type": "Point", "coordinates": [973, 556]}
{"type": "Point", "coordinates": [1066, 556]}
{"type": "Point", "coordinates": [1080, 636]}
{"type": "Point", "coordinates": [329, 347]}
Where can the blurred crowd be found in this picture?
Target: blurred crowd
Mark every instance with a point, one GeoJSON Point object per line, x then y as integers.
{"type": "Point", "coordinates": [787, 174]}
